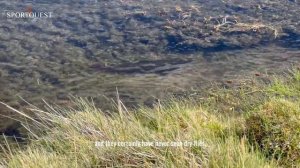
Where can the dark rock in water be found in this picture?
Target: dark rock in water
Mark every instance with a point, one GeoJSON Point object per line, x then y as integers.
{"type": "Point", "coordinates": [8, 125]}
{"type": "Point", "coordinates": [11, 129]}
{"type": "Point", "coordinates": [291, 39]}
{"type": "Point", "coordinates": [13, 132]}
{"type": "Point", "coordinates": [5, 123]}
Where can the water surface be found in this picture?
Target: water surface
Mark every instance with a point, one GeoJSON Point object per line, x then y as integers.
{"type": "Point", "coordinates": [145, 48]}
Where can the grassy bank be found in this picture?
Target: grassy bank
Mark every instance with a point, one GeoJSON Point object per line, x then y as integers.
{"type": "Point", "coordinates": [253, 125]}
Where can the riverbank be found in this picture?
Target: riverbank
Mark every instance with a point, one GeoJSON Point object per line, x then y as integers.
{"type": "Point", "coordinates": [255, 125]}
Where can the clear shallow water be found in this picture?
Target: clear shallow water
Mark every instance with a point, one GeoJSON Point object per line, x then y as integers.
{"type": "Point", "coordinates": [144, 48]}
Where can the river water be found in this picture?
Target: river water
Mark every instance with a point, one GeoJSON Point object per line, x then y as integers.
{"type": "Point", "coordinates": [145, 48]}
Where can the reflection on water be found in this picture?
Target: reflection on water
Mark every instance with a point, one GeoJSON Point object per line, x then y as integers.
{"type": "Point", "coordinates": [144, 48]}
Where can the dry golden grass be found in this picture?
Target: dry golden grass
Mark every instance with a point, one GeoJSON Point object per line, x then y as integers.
{"type": "Point", "coordinates": [227, 138]}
